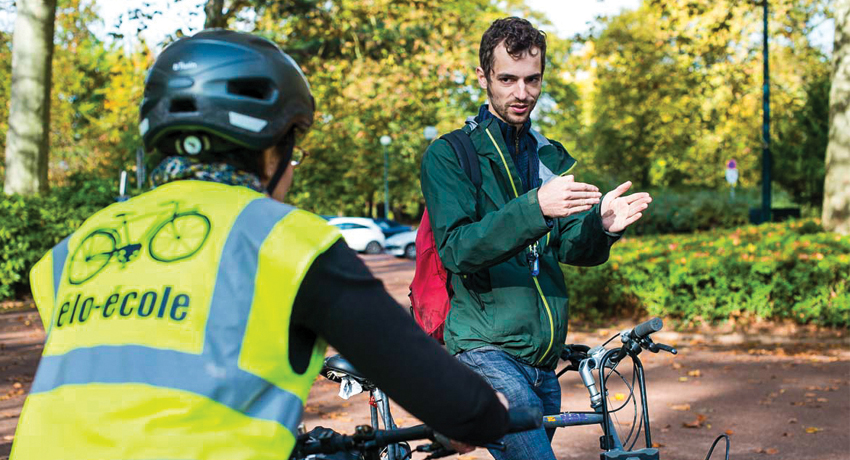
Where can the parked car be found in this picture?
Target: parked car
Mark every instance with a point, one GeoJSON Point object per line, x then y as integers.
{"type": "Point", "coordinates": [360, 233]}
{"type": "Point", "coordinates": [391, 227]}
{"type": "Point", "coordinates": [402, 245]}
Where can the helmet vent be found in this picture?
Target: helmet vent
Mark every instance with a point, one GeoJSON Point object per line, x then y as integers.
{"type": "Point", "coordinates": [183, 106]}
{"type": "Point", "coordinates": [252, 88]}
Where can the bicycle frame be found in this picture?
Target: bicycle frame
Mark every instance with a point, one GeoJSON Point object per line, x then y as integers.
{"type": "Point", "coordinates": [598, 359]}
{"type": "Point", "coordinates": [378, 401]}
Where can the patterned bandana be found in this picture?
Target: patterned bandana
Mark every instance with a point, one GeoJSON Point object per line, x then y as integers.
{"type": "Point", "coordinates": [178, 167]}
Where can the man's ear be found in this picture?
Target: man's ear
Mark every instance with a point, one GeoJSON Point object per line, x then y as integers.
{"type": "Point", "coordinates": [482, 77]}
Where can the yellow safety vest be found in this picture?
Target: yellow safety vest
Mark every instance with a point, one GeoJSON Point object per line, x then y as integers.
{"type": "Point", "coordinates": [167, 321]}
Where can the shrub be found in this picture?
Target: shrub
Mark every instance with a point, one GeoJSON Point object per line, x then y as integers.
{"type": "Point", "coordinates": [30, 226]}
{"type": "Point", "coordinates": [687, 211]}
{"type": "Point", "coordinates": [775, 271]}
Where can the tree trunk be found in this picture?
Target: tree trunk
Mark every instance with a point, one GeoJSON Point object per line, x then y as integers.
{"type": "Point", "coordinates": [27, 140]}
{"type": "Point", "coordinates": [214, 10]}
{"type": "Point", "coordinates": [836, 201]}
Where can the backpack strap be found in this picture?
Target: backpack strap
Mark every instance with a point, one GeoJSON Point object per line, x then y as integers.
{"type": "Point", "coordinates": [466, 154]}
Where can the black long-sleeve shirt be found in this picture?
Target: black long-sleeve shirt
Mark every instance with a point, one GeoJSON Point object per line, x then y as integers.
{"type": "Point", "coordinates": [342, 302]}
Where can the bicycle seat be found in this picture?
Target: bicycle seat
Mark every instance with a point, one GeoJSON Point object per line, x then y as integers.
{"type": "Point", "coordinates": [336, 364]}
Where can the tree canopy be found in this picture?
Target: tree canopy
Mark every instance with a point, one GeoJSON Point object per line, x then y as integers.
{"type": "Point", "coordinates": [662, 96]}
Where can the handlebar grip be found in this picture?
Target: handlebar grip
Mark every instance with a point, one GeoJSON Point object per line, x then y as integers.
{"type": "Point", "coordinates": [644, 329]}
{"type": "Point", "coordinates": [524, 418]}
{"type": "Point", "coordinates": [386, 437]}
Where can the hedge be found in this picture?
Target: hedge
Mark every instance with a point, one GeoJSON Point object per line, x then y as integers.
{"type": "Point", "coordinates": [791, 270]}
{"type": "Point", "coordinates": [30, 226]}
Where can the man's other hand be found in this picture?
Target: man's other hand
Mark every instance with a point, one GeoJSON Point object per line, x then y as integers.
{"type": "Point", "coordinates": [618, 212]}
{"type": "Point", "coordinates": [563, 196]}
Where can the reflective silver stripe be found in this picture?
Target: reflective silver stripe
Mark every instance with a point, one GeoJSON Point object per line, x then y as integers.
{"type": "Point", "coordinates": [232, 387]}
{"type": "Point", "coordinates": [214, 373]}
{"type": "Point", "coordinates": [234, 283]}
{"type": "Point", "coordinates": [60, 254]}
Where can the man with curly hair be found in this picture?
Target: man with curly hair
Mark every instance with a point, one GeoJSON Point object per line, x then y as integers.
{"type": "Point", "coordinates": [503, 240]}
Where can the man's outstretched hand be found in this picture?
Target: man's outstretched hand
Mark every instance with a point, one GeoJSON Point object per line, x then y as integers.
{"type": "Point", "coordinates": [618, 211]}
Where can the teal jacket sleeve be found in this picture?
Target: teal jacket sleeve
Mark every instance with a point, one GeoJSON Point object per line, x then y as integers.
{"type": "Point", "coordinates": [583, 241]}
{"type": "Point", "coordinates": [465, 243]}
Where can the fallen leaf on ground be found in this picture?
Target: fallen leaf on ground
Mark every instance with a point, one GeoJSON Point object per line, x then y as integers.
{"type": "Point", "coordinates": [792, 420]}
{"type": "Point", "coordinates": [657, 445]}
{"type": "Point", "coordinates": [694, 373]}
{"type": "Point", "coordinates": [697, 423]}
{"type": "Point", "coordinates": [770, 451]}
{"type": "Point", "coordinates": [729, 432]}
{"type": "Point", "coordinates": [822, 400]}
{"type": "Point", "coordinates": [683, 379]}
{"type": "Point", "coordinates": [619, 396]}
{"type": "Point", "coordinates": [8, 438]}
{"type": "Point", "coordinates": [681, 407]}
{"type": "Point", "coordinates": [813, 429]}
{"type": "Point", "coordinates": [787, 435]}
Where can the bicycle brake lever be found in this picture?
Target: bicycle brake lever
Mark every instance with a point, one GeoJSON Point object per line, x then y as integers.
{"type": "Point", "coordinates": [656, 347]}
{"type": "Point", "coordinates": [667, 348]}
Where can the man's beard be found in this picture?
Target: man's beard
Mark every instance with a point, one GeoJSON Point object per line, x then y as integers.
{"type": "Point", "coordinates": [505, 114]}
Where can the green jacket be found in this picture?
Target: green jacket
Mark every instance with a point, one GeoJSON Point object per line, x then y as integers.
{"type": "Point", "coordinates": [485, 235]}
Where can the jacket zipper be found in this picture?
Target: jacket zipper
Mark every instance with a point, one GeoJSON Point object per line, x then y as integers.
{"type": "Point", "coordinates": [536, 282]}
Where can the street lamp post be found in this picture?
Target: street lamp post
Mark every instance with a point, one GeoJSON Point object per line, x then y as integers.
{"type": "Point", "coordinates": [386, 141]}
{"type": "Point", "coordinates": [766, 159]}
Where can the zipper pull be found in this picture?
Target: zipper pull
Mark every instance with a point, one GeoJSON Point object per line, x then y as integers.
{"type": "Point", "coordinates": [533, 260]}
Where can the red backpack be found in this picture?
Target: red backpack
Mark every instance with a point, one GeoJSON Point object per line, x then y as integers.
{"type": "Point", "coordinates": [431, 290]}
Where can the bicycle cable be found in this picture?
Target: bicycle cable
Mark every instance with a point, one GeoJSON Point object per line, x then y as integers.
{"type": "Point", "coordinates": [631, 391]}
{"type": "Point", "coordinates": [635, 419]}
{"type": "Point", "coordinates": [609, 340]}
{"type": "Point", "coordinates": [710, 451]}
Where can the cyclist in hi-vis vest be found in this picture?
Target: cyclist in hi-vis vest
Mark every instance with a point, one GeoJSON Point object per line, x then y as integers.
{"type": "Point", "coordinates": [190, 322]}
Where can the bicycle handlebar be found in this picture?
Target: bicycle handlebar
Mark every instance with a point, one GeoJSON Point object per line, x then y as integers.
{"type": "Point", "coordinates": [520, 419]}
{"type": "Point", "coordinates": [386, 437]}
{"type": "Point", "coordinates": [524, 419]}
{"type": "Point", "coordinates": [648, 327]}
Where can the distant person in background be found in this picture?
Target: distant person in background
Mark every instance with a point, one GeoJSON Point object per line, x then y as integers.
{"type": "Point", "coordinates": [504, 241]}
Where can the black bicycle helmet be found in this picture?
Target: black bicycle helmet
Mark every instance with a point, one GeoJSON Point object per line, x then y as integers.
{"type": "Point", "coordinates": [240, 88]}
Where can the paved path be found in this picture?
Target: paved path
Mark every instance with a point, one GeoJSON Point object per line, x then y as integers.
{"type": "Point", "coordinates": [782, 393]}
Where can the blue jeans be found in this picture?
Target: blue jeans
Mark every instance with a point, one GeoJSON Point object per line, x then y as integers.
{"type": "Point", "coordinates": [524, 386]}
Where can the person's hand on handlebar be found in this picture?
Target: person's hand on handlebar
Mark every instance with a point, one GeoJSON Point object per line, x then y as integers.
{"type": "Point", "coordinates": [463, 448]}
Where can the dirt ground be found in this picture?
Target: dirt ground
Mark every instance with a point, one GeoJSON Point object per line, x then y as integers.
{"type": "Point", "coordinates": [780, 392]}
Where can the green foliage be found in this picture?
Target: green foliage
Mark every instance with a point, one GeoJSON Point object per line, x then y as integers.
{"type": "Point", "coordinates": [778, 271]}
{"type": "Point", "coordinates": [97, 89]}
{"type": "Point", "coordinates": [687, 211]}
{"type": "Point", "coordinates": [379, 68]}
{"type": "Point", "coordinates": [800, 149]}
{"type": "Point", "coordinates": [30, 226]}
{"type": "Point", "coordinates": [673, 90]}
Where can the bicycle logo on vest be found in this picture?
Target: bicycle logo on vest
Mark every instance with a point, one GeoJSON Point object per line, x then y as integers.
{"type": "Point", "coordinates": [178, 236]}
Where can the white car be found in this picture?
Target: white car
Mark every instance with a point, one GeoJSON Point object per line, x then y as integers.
{"type": "Point", "coordinates": [360, 233]}
{"type": "Point", "coordinates": [402, 245]}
